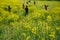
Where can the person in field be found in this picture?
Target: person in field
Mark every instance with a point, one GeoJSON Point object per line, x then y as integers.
{"type": "Point", "coordinates": [23, 4]}
{"type": "Point", "coordinates": [46, 7]}
{"type": "Point", "coordinates": [34, 2]}
{"type": "Point", "coordinates": [26, 10]}
{"type": "Point", "coordinates": [29, 1]}
{"type": "Point", "coordinates": [9, 8]}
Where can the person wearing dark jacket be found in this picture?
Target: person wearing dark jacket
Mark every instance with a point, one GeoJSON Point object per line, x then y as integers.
{"type": "Point", "coordinates": [26, 10]}
{"type": "Point", "coordinates": [23, 5]}
{"type": "Point", "coordinates": [9, 8]}
{"type": "Point", "coordinates": [34, 2]}
{"type": "Point", "coordinates": [46, 7]}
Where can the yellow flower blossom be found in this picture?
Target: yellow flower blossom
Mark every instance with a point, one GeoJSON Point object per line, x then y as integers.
{"type": "Point", "coordinates": [34, 30]}
{"type": "Point", "coordinates": [24, 34]}
{"type": "Point", "coordinates": [36, 14]}
{"type": "Point", "coordinates": [28, 38]}
{"type": "Point", "coordinates": [48, 27]}
{"type": "Point", "coordinates": [49, 18]}
{"type": "Point", "coordinates": [14, 0]}
{"type": "Point", "coordinates": [27, 25]}
{"type": "Point", "coordinates": [43, 38]}
{"type": "Point", "coordinates": [1, 18]}
{"type": "Point", "coordinates": [52, 34]}
{"type": "Point", "coordinates": [40, 22]}
{"type": "Point", "coordinates": [13, 16]}
{"type": "Point", "coordinates": [58, 28]}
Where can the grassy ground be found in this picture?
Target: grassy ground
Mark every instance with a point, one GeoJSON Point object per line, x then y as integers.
{"type": "Point", "coordinates": [39, 24]}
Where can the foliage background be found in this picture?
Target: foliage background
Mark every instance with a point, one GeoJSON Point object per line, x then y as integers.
{"type": "Point", "coordinates": [39, 24]}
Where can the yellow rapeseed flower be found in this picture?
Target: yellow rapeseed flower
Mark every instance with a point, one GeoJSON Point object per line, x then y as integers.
{"type": "Point", "coordinates": [52, 34]}
{"type": "Point", "coordinates": [48, 27]}
{"type": "Point", "coordinates": [11, 16]}
{"type": "Point", "coordinates": [40, 22]}
{"type": "Point", "coordinates": [36, 14]}
{"type": "Point", "coordinates": [27, 25]}
{"type": "Point", "coordinates": [24, 34]}
{"type": "Point", "coordinates": [49, 18]}
{"type": "Point", "coordinates": [43, 38]}
{"type": "Point", "coordinates": [57, 28]}
{"type": "Point", "coordinates": [34, 30]}
{"type": "Point", "coordinates": [14, 0]}
{"type": "Point", "coordinates": [28, 38]}
{"type": "Point", "coordinates": [1, 18]}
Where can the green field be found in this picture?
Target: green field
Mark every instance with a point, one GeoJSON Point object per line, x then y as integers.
{"type": "Point", "coordinates": [39, 24]}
